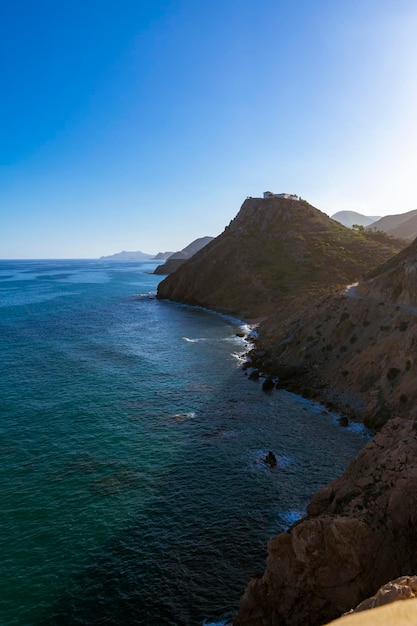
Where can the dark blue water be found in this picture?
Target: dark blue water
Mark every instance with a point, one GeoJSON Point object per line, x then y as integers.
{"type": "Point", "coordinates": [132, 484]}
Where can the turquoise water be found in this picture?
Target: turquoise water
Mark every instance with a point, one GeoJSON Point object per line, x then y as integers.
{"type": "Point", "coordinates": [133, 488]}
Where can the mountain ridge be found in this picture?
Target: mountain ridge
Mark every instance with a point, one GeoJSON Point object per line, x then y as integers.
{"type": "Point", "coordinates": [350, 218]}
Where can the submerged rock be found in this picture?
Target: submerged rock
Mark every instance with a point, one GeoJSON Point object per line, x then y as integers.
{"type": "Point", "coordinates": [343, 421]}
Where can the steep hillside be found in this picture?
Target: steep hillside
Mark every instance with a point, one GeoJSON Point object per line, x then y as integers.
{"type": "Point", "coordinates": [349, 218]}
{"type": "Point", "coordinates": [394, 281]}
{"type": "Point", "coordinates": [176, 259]}
{"type": "Point", "coordinates": [355, 353]}
{"type": "Point", "coordinates": [273, 251]}
{"type": "Point", "coordinates": [403, 225]}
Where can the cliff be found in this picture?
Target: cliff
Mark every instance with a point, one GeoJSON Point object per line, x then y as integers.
{"type": "Point", "coordinates": [274, 251]}
{"type": "Point", "coordinates": [359, 532]}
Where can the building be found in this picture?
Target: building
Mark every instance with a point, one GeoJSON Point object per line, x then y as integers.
{"type": "Point", "coordinates": [286, 196]}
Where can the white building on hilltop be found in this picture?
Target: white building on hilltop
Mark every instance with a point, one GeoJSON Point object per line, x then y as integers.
{"type": "Point", "coordinates": [287, 196]}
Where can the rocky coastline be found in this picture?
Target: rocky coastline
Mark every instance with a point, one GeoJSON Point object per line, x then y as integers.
{"type": "Point", "coordinates": [360, 530]}
{"type": "Point", "coordinates": [354, 350]}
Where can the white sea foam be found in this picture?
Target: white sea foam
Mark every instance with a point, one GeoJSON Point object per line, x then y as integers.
{"type": "Point", "coordinates": [183, 416]}
{"type": "Point", "coordinates": [240, 358]}
{"type": "Point", "coordinates": [290, 517]}
{"type": "Point", "coordinates": [150, 295]}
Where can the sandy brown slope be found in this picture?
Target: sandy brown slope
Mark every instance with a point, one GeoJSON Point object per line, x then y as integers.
{"type": "Point", "coordinates": [273, 251]}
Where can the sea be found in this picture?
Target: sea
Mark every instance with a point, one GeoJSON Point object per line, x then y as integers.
{"type": "Point", "coordinates": [133, 484]}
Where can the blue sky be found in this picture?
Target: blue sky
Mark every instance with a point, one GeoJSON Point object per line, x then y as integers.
{"type": "Point", "coordinates": [142, 125]}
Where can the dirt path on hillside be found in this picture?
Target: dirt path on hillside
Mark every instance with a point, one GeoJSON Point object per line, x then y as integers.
{"type": "Point", "coordinates": [351, 291]}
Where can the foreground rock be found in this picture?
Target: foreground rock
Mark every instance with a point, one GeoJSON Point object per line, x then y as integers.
{"type": "Point", "coordinates": [360, 531]}
{"type": "Point", "coordinates": [403, 588]}
{"type": "Point", "coordinates": [396, 614]}
{"type": "Point", "coordinates": [390, 611]}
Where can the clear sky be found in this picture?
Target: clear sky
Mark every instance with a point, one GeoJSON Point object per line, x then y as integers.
{"type": "Point", "coordinates": [144, 124]}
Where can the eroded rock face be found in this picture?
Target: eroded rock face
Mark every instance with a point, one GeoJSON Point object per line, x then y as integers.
{"type": "Point", "coordinates": [360, 531]}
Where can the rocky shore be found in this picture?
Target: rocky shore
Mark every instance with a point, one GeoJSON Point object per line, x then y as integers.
{"type": "Point", "coordinates": [355, 350]}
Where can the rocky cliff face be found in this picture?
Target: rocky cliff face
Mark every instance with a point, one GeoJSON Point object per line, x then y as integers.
{"type": "Point", "coordinates": [360, 531]}
{"type": "Point", "coordinates": [275, 250]}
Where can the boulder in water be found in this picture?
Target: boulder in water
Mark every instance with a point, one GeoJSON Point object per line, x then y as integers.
{"type": "Point", "coordinates": [270, 459]}
{"type": "Point", "coordinates": [268, 384]}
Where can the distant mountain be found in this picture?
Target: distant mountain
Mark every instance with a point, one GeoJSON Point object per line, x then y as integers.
{"type": "Point", "coordinates": [162, 256]}
{"type": "Point", "coordinates": [403, 226]}
{"type": "Point", "coordinates": [349, 218]}
{"type": "Point", "coordinates": [275, 250]}
{"type": "Point", "coordinates": [178, 258]}
{"type": "Point", "coordinates": [126, 255]}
